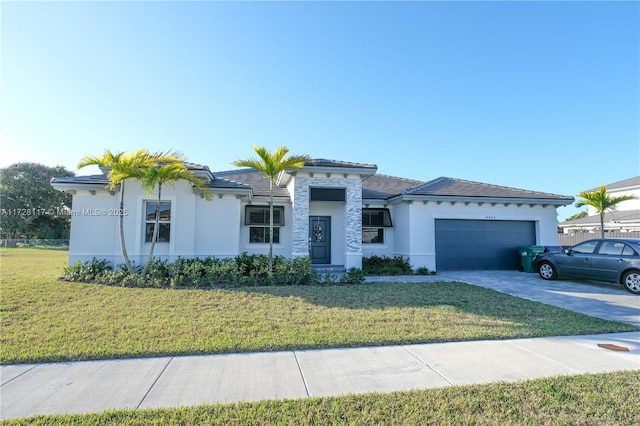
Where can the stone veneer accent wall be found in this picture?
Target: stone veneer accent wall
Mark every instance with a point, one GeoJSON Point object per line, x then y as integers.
{"type": "Point", "coordinates": [353, 214]}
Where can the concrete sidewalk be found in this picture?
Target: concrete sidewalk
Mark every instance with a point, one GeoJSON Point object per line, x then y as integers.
{"type": "Point", "coordinates": [93, 386]}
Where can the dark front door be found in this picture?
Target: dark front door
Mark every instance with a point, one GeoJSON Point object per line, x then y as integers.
{"type": "Point", "coordinates": [320, 239]}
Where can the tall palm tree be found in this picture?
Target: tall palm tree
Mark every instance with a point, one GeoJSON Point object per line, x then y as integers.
{"type": "Point", "coordinates": [158, 172]}
{"type": "Point", "coordinates": [121, 166]}
{"type": "Point", "coordinates": [602, 202]}
{"type": "Point", "coordinates": [271, 164]}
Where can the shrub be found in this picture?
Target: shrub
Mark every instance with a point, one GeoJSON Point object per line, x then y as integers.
{"type": "Point", "coordinates": [424, 271]}
{"type": "Point", "coordinates": [86, 271]}
{"type": "Point", "coordinates": [353, 276]}
{"type": "Point", "coordinates": [376, 265]}
{"type": "Point", "coordinates": [244, 269]}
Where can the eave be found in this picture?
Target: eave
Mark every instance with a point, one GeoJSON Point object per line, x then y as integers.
{"type": "Point", "coordinates": [491, 201]}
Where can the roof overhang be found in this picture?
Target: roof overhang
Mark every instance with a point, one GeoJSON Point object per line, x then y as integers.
{"type": "Point", "coordinates": [439, 199]}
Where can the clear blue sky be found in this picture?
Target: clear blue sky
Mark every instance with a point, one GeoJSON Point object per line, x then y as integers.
{"type": "Point", "coordinates": [535, 95]}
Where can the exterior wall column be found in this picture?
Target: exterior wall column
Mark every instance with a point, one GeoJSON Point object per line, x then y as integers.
{"type": "Point", "coordinates": [300, 207]}
{"type": "Point", "coordinates": [353, 255]}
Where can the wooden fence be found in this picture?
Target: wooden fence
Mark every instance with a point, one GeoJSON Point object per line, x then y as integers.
{"type": "Point", "coordinates": [568, 240]}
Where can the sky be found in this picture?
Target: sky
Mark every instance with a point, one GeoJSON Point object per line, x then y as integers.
{"type": "Point", "coordinates": [543, 96]}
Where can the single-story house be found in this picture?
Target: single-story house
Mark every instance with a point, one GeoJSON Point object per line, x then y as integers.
{"type": "Point", "coordinates": [625, 218]}
{"type": "Point", "coordinates": [336, 212]}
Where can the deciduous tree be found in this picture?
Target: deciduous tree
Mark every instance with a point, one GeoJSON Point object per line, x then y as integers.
{"type": "Point", "coordinates": [30, 207]}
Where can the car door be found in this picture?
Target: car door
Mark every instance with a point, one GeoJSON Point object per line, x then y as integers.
{"type": "Point", "coordinates": [577, 263]}
{"type": "Point", "coordinates": [609, 261]}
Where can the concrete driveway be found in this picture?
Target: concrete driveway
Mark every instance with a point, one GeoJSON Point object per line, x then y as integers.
{"type": "Point", "coordinates": [598, 299]}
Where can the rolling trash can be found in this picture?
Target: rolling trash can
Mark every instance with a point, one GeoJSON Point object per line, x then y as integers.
{"type": "Point", "coordinates": [527, 254]}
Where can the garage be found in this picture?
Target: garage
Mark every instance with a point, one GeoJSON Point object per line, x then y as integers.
{"type": "Point", "coordinates": [481, 244]}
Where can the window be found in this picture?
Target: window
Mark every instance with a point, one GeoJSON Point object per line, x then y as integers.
{"type": "Point", "coordinates": [611, 248]}
{"type": "Point", "coordinates": [164, 224]}
{"type": "Point", "coordinates": [260, 234]}
{"type": "Point", "coordinates": [328, 194]}
{"type": "Point", "coordinates": [585, 248]}
{"type": "Point", "coordinates": [373, 223]}
{"type": "Point", "coordinates": [376, 217]}
{"type": "Point", "coordinates": [257, 217]}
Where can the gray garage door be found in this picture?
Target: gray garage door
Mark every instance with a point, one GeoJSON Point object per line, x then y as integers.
{"type": "Point", "coordinates": [481, 244]}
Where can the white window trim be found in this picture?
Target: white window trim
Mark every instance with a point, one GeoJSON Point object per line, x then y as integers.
{"type": "Point", "coordinates": [142, 247]}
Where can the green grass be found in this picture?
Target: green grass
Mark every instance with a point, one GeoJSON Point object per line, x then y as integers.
{"type": "Point", "coordinates": [44, 319]}
{"type": "Point", "coordinates": [591, 399]}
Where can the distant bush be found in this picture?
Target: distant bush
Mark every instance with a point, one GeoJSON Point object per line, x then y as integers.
{"type": "Point", "coordinates": [243, 270]}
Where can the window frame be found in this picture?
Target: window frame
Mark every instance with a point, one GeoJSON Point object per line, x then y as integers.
{"type": "Point", "coordinates": [265, 231]}
{"type": "Point", "coordinates": [386, 218]}
{"type": "Point", "coordinates": [379, 228]}
{"type": "Point", "coordinates": [248, 216]}
{"type": "Point", "coordinates": [162, 222]}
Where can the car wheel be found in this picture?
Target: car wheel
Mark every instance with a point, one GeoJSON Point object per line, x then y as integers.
{"type": "Point", "coordinates": [547, 271]}
{"type": "Point", "coordinates": [631, 281]}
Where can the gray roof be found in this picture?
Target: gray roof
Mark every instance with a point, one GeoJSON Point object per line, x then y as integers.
{"type": "Point", "coordinates": [194, 166]}
{"type": "Point", "coordinates": [374, 186]}
{"type": "Point", "coordinates": [382, 187]}
{"type": "Point", "coordinates": [103, 180]}
{"type": "Point", "coordinates": [321, 162]}
{"type": "Point", "coordinates": [90, 179]}
{"type": "Point", "coordinates": [452, 187]}
{"type": "Point", "coordinates": [621, 216]}
{"type": "Point", "coordinates": [634, 181]}
{"type": "Point", "coordinates": [253, 179]}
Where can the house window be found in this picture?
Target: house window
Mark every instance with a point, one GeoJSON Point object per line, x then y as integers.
{"type": "Point", "coordinates": [373, 223]}
{"type": "Point", "coordinates": [164, 224]}
{"type": "Point", "coordinates": [328, 194]}
{"type": "Point", "coordinates": [260, 234]}
{"type": "Point", "coordinates": [257, 217]}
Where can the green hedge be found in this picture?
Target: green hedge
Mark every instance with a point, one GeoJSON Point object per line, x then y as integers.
{"type": "Point", "coordinates": [243, 270]}
{"type": "Point", "coordinates": [398, 265]}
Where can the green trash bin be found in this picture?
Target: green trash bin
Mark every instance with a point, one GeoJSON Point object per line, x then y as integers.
{"type": "Point", "coordinates": [527, 254]}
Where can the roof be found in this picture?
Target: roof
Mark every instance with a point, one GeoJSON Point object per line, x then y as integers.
{"type": "Point", "coordinates": [252, 178]}
{"type": "Point", "coordinates": [103, 181]}
{"type": "Point", "coordinates": [451, 187]}
{"type": "Point", "coordinates": [321, 162]}
{"type": "Point", "coordinates": [634, 181]}
{"type": "Point", "coordinates": [383, 187]}
{"type": "Point", "coordinates": [374, 186]}
{"type": "Point", "coordinates": [616, 216]}
{"type": "Point", "coordinates": [90, 179]}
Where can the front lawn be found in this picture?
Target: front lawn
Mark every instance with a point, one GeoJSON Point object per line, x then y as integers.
{"type": "Point", "coordinates": [590, 399]}
{"type": "Point", "coordinates": [44, 319]}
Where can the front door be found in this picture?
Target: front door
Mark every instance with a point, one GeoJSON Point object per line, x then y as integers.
{"type": "Point", "coordinates": [320, 239]}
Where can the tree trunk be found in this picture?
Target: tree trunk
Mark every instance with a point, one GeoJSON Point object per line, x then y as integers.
{"type": "Point", "coordinates": [122, 241]}
{"type": "Point", "coordinates": [271, 227]}
{"type": "Point", "coordinates": [602, 223]}
{"type": "Point", "coordinates": [154, 237]}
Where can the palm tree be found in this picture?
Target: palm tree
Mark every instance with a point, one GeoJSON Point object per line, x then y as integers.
{"type": "Point", "coordinates": [271, 164]}
{"type": "Point", "coordinates": [602, 202]}
{"type": "Point", "coordinates": [158, 171]}
{"type": "Point", "coordinates": [121, 166]}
